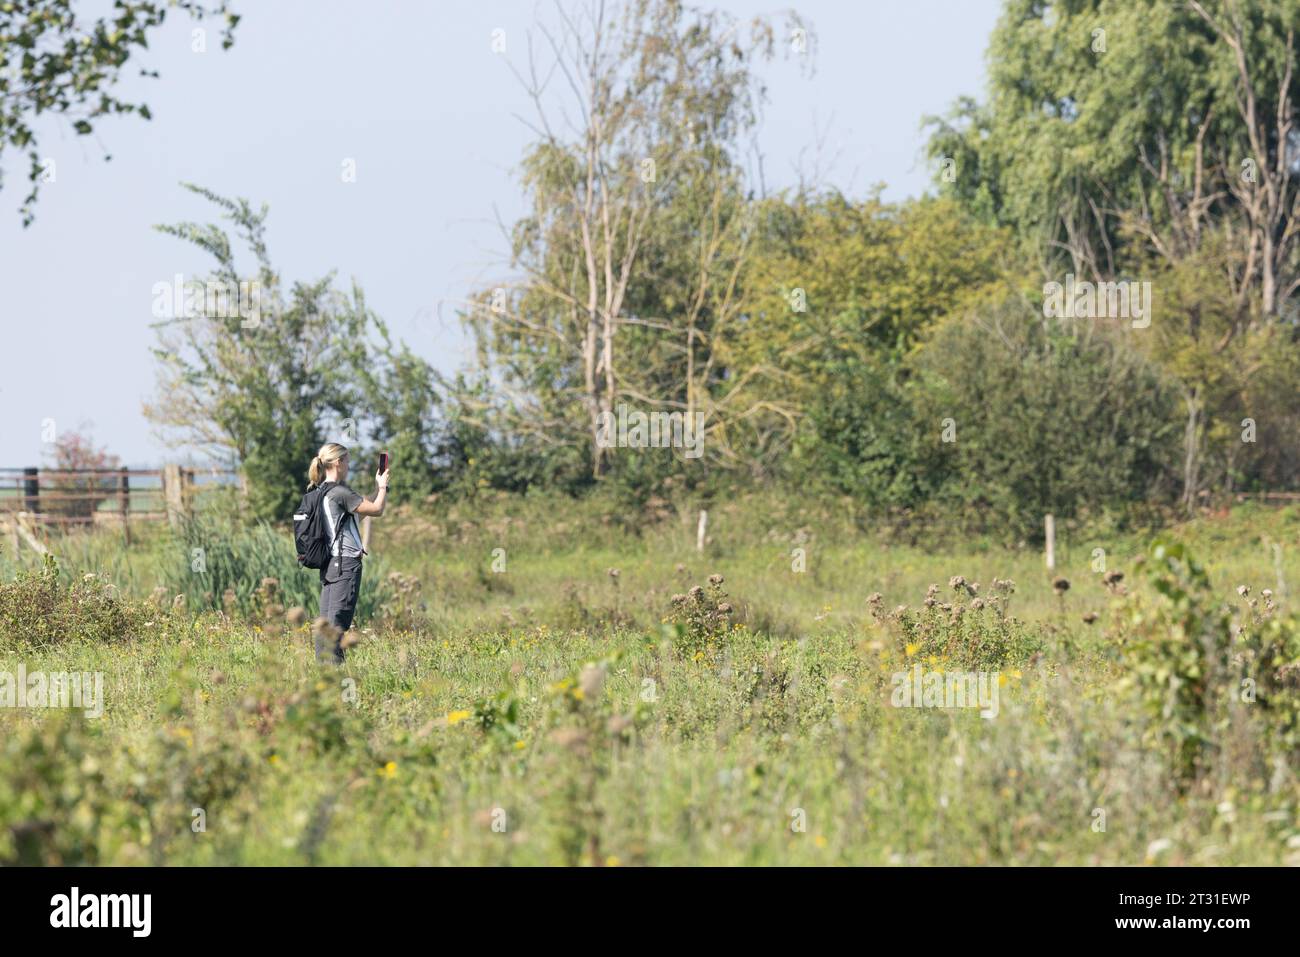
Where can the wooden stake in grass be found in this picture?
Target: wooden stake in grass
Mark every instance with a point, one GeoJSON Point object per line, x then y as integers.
{"type": "Point", "coordinates": [1049, 527]}
{"type": "Point", "coordinates": [700, 530]}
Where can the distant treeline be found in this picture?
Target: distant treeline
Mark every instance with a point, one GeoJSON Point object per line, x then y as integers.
{"type": "Point", "coordinates": [1095, 312]}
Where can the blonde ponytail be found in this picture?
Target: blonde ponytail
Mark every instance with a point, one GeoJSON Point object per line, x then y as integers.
{"type": "Point", "coordinates": [329, 453]}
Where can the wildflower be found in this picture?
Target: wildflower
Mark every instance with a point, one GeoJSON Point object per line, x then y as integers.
{"type": "Point", "coordinates": [697, 592]}
{"type": "Point", "coordinates": [389, 770]}
{"type": "Point", "coordinates": [178, 603]}
{"type": "Point", "coordinates": [1243, 590]}
{"type": "Point", "coordinates": [297, 616]}
{"type": "Point", "coordinates": [613, 574]}
{"type": "Point", "coordinates": [725, 608]}
{"type": "Point", "coordinates": [1060, 585]}
{"type": "Point", "coordinates": [977, 604]}
{"type": "Point", "coordinates": [912, 649]}
{"type": "Point", "coordinates": [715, 579]}
{"type": "Point", "coordinates": [874, 599]}
{"type": "Point", "coordinates": [456, 717]}
{"type": "Point", "coordinates": [1158, 846]}
{"type": "Point", "coordinates": [1089, 617]}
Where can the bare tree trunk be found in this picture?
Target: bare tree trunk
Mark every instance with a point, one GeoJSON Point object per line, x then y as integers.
{"type": "Point", "coordinates": [1191, 461]}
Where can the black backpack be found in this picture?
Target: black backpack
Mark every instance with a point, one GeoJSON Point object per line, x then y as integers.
{"type": "Point", "coordinates": [311, 534]}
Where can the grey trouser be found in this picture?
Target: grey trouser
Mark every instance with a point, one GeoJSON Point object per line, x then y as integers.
{"type": "Point", "coordinates": [340, 584]}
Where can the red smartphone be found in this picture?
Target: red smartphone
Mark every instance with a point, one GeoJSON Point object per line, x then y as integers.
{"type": "Point", "coordinates": [383, 462]}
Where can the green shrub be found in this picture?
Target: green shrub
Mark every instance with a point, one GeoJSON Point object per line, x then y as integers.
{"type": "Point", "coordinates": [1197, 665]}
{"type": "Point", "coordinates": [38, 607]}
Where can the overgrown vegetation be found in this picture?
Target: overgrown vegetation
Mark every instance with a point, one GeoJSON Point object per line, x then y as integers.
{"type": "Point", "coordinates": [749, 721]}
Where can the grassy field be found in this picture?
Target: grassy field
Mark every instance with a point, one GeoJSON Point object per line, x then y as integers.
{"type": "Point", "coordinates": [539, 685]}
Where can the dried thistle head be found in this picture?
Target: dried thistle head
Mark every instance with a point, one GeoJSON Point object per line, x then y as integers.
{"type": "Point", "coordinates": [1060, 584]}
{"type": "Point", "coordinates": [591, 680]}
{"type": "Point", "coordinates": [716, 579]}
{"type": "Point", "coordinates": [619, 724]}
{"type": "Point", "coordinates": [568, 737]}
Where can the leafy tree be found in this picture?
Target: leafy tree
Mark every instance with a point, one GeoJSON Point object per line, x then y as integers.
{"type": "Point", "coordinates": [837, 294]}
{"type": "Point", "coordinates": [630, 250]}
{"type": "Point", "coordinates": [1022, 415]}
{"type": "Point", "coordinates": [52, 61]}
{"type": "Point", "coordinates": [1156, 139]}
{"type": "Point", "coordinates": [265, 384]}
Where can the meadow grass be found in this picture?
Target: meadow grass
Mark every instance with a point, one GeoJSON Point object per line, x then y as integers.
{"type": "Point", "coordinates": [555, 713]}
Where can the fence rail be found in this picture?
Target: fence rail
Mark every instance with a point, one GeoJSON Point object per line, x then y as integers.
{"type": "Point", "coordinates": [35, 501]}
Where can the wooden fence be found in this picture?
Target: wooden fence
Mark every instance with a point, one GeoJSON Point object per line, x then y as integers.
{"type": "Point", "coordinates": [36, 501]}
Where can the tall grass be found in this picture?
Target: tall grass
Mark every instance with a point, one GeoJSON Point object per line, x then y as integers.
{"type": "Point", "coordinates": [214, 560]}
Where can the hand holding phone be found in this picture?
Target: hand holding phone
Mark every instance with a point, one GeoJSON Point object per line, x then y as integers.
{"type": "Point", "coordinates": [381, 475]}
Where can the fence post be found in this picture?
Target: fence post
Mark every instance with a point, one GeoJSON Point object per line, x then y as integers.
{"type": "Point", "coordinates": [124, 490]}
{"type": "Point", "coordinates": [1049, 528]}
{"type": "Point", "coordinates": [31, 490]}
{"type": "Point", "coordinates": [173, 493]}
{"type": "Point", "coordinates": [701, 530]}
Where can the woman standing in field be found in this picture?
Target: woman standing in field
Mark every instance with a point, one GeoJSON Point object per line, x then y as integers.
{"type": "Point", "coordinates": [340, 579]}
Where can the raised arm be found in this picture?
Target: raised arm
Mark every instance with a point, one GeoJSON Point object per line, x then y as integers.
{"type": "Point", "coordinates": [376, 506]}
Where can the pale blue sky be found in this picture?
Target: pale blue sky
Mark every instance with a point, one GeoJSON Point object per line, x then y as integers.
{"type": "Point", "coordinates": [414, 93]}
